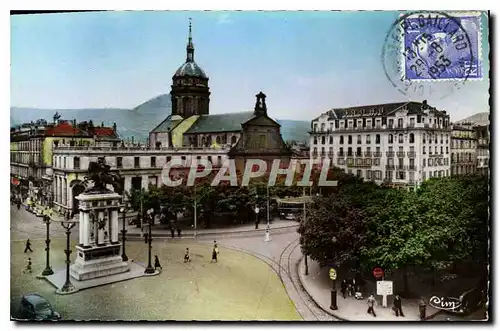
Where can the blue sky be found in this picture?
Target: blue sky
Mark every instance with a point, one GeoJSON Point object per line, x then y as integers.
{"type": "Point", "coordinates": [305, 62]}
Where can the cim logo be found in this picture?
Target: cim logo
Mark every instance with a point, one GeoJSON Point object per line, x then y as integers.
{"type": "Point", "coordinates": [444, 303]}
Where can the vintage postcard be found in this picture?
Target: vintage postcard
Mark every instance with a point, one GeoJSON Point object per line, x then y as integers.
{"type": "Point", "coordinates": [250, 166]}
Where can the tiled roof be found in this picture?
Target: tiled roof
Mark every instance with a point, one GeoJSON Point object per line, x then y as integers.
{"type": "Point", "coordinates": [229, 122]}
{"type": "Point", "coordinates": [104, 132]}
{"type": "Point", "coordinates": [64, 129]}
{"type": "Point", "coordinates": [167, 125]}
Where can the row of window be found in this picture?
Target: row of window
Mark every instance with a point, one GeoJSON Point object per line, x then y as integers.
{"type": "Point", "coordinates": [119, 161]}
{"type": "Point", "coordinates": [463, 144]}
{"type": "Point", "coordinates": [390, 139]}
{"type": "Point", "coordinates": [369, 123]}
{"type": "Point", "coordinates": [207, 140]}
{"type": "Point", "coordinates": [377, 153]}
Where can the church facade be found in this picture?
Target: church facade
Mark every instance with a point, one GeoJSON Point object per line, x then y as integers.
{"type": "Point", "coordinates": [191, 125]}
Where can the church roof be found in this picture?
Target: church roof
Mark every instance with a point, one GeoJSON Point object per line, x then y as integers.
{"type": "Point", "coordinates": [229, 122]}
{"type": "Point", "coordinates": [190, 69]}
{"type": "Point", "coordinates": [168, 124]}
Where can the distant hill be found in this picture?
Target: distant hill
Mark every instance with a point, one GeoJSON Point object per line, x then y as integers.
{"type": "Point", "coordinates": [479, 119]}
{"type": "Point", "coordinates": [295, 130]}
{"type": "Point", "coordinates": [139, 121]}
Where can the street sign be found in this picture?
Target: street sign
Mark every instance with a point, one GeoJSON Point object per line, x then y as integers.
{"type": "Point", "coordinates": [384, 288]}
{"type": "Point", "coordinates": [378, 272]}
{"type": "Point", "coordinates": [333, 274]}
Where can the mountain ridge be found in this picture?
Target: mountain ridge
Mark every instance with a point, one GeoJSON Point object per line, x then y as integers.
{"type": "Point", "coordinates": [138, 121]}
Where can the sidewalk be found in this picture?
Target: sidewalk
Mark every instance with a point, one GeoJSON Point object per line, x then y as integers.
{"type": "Point", "coordinates": [319, 285]}
{"type": "Point", "coordinates": [162, 230]}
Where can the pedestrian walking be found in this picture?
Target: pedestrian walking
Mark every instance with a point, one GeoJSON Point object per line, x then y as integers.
{"type": "Point", "coordinates": [18, 205]}
{"type": "Point", "coordinates": [28, 246]}
{"type": "Point", "coordinates": [421, 307]}
{"type": "Point", "coordinates": [179, 232]}
{"type": "Point", "coordinates": [397, 307]}
{"type": "Point", "coordinates": [157, 263]}
{"type": "Point", "coordinates": [28, 267]}
{"type": "Point", "coordinates": [172, 231]}
{"type": "Point", "coordinates": [187, 258]}
{"type": "Point", "coordinates": [371, 302]}
{"type": "Point", "coordinates": [215, 252]}
{"type": "Point", "coordinates": [343, 288]}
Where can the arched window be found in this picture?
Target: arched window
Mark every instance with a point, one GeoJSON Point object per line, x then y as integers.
{"type": "Point", "coordinates": [323, 140]}
{"type": "Point", "coordinates": [233, 140]}
{"type": "Point", "coordinates": [322, 126]}
{"type": "Point", "coordinates": [331, 140]}
{"type": "Point", "coordinates": [368, 139]}
{"type": "Point", "coordinates": [349, 139]}
{"type": "Point", "coordinates": [412, 138]}
{"type": "Point", "coordinates": [186, 102]}
{"type": "Point", "coordinates": [200, 106]}
{"type": "Point", "coordinates": [224, 138]}
{"type": "Point", "coordinates": [341, 139]}
{"type": "Point", "coordinates": [377, 139]}
{"type": "Point", "coordinates": [203, 142]}
{"type": "Point", "coordinates": [359, 139]}
{"type": "Point", "coordinates": [349, 151]}
{"type": "Point", "coordinates": [400, 138]}
{"type": "Point", "coordinates": [390, 139]}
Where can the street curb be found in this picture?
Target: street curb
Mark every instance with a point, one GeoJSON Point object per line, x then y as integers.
{"type": "Point", "coordinates": [310, 295]}
{"type": "Point", "coordinates": [210, 234]}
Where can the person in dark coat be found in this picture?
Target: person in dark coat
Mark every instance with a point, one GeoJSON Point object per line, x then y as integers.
{"type": "Point", "coordinates": [28, 247]}
{"type": "Point", "coordinates": [187, 258]}
{"type": "Point", "coordinates": [172, 231]}
{"type": "Point", "coordinates": [397, 306]}
{"type": "Point", "coordinates": [18, 205]}
{"type": "Point", "coordinates": [179, 232]}
{"type": "Point", "coordinates": [343, 288]}
{"type": "Point", "coordinates": [421, 307]}
{"type": "Point", "coordinates": [28, 267]}
{"type": "Point", "coordinates": [157, 263]}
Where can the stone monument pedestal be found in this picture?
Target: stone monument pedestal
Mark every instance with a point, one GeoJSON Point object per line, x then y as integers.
{"type": "Point", "coordinates": [98, 251]}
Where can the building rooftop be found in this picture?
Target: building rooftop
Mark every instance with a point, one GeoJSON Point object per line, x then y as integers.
{"type": "Point", "coordinates": [230, 122]}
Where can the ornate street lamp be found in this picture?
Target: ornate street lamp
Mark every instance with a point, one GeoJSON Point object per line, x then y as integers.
{"type": "Point", "coordinates": [149, 269]}
{"type": "Point", "coordinates": [257, 210]}
{"type": "Point", "coordinates": [333, 305]}
{"type": "Point", "coordinates": [124, 210]}
{"type": "Point", "coordinates": [67, 288]}
{"type": "Point", "coordinates": [46, 219]}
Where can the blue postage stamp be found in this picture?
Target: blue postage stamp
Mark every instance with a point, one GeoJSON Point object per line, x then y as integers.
{"type": "Point", "coordinates": [442, 46]}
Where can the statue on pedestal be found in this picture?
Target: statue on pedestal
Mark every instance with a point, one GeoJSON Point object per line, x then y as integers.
{"type": "Point", "coordinates": [100, 173]}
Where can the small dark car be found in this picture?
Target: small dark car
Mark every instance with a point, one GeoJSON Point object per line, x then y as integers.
{"type": "Point", "coordinates": [35, 307]}
{"type": "Point", "coordinates": [470, 301]}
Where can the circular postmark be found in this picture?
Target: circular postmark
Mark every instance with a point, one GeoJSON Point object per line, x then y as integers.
{"type": "Point", "coordinates": [432, 54]}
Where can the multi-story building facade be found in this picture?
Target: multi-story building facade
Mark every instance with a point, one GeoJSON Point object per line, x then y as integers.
{"type": "Point", "coordinates": [483, 149]}
{"type": "Point", "coordinates": [138, 167]}
{"type": "Point", "coordinates": [463, 149]}
{"type": "Point", "coordinates": [399, 144]}
{"type": "Point", "coordinates": [32, 147]}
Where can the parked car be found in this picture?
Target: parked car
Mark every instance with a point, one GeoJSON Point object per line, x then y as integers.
{"type": "Point", "coordinates": [470, 300]}
{"type": "Point", "coordinates": [35, 307]}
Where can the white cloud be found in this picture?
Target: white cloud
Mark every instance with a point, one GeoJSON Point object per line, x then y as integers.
{"type": "Point", "coordinates": [224, 19]}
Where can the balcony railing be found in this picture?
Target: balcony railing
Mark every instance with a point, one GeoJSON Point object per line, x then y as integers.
{"type": "Point", "coordinates": [341, 154]}
{"type": "Point", "coordinates": [400, 154]}
{"type": "Point", "coordinates": [401, 167]}
{"type": "Point", "coordinates": [377, 154]}
{"type": "Point", "coordinates": [412, 167]}
{"type": "Point", "coordinates": [389, 154]}
{"type": "Point", "coordinates": [411, 154]}
{"type": "Point", "coordinates": [368, 154]}
{"type": "Point", "coordinates": [390, 167]}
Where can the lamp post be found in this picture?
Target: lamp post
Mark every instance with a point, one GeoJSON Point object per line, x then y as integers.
{"type": "Point", "coordinates": [46, 218]}
{"type": "Point", "coordinates": [333, 305]}
{"type": "Point", "coordinates": [149, 269]}
{"type": "Point", "coordinates": [124, 210]}
{"type": "Point", "coordinates": [67, 288]}
{"type": "Point", "coordinates": [305, 255]}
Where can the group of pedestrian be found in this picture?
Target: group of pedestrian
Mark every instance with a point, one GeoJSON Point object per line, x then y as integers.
{"type": "Point", "coordinates": [397, 306]}
{"type": "Point", "coordinates": [352, 287]}
{"type": "Point", "coordinates": [172, 231]}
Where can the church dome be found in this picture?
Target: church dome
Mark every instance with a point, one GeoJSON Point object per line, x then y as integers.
{"type": "Point", "coordinates": [191, 69]}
